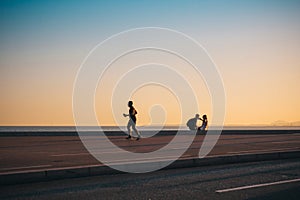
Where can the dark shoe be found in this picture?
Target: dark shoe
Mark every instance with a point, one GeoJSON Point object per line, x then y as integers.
{"type": "Point", "coordinates": [137, 138]}
{"type": "Point", "coordinates": [128, 137]}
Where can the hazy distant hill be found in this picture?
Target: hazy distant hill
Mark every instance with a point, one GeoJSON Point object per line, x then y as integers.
{"type": "Point", "coordinates": [285, 123]}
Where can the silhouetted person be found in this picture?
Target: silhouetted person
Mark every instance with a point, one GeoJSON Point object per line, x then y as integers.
{"type": "Point", "coordinates": [192, 123]}
{"type": "Point", "coordinates": [131, 121]}
{"type": "Point", "coordinates": [204, 124]}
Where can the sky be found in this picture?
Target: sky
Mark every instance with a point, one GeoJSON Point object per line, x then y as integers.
{"type": "Point", "coordinates": [255, 45]}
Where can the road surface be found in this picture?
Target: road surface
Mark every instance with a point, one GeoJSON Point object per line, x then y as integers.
{"type": "Point", "coordinates": [278, 179]}
{"type": "Point", "coordinates": [23, 153]}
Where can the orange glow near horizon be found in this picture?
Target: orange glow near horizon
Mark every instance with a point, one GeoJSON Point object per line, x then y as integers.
{"type": "Point", "coordinates": [255, 45]}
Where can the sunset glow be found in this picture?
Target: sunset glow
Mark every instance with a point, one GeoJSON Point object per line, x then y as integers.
{"type": "Point", "coordinates": [255, 45]}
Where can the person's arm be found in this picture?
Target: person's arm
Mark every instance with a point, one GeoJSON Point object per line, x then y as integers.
{"type": "Point", "coordinates": [125, 115]}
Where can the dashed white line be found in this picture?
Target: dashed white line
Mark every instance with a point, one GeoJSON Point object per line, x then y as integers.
{"type": "Point", "coordinates": [70, 154]}
{"type": "Point", "coordinates": [145, 160]}
{"type": "Point", "coordinates": [25, 167]}
{"type": "Point", "coordinates": [80, 154]}
{"type": "Point", "coordinates": [257, 185]}
{"type": "Point", "coordinates": [262, 150]}
{"type": "Point", "coordinates": [285, 142]}
{"type": "Point", "coordinates": [103, 152]}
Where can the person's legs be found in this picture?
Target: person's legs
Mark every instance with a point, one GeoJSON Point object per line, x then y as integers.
{"type": "Point", "coordinates": [128, 129]}
{"type": "Point", "coordinates": [198, 130]}
{"type": "Point", "coordinates": [201, 130]}
{"type": "Point", "coordinates": [135, 130]}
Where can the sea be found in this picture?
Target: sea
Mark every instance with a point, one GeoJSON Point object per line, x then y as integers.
{"type": "Point", "coordinates": [12, 129]}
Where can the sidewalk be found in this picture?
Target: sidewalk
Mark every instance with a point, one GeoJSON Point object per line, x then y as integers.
{"type": "Point", "coordinates": [38, 158]}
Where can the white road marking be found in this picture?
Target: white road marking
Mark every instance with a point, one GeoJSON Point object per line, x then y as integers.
{"type": "Point", "coordinates": [145, 160]}
{"type": "Point", "coordinates": [262, 150]}
{"type": "Point", "coordinates": [282, 142]}
{"type": "Point", "coordinates": [70, 154]}
{"type": "Point", "coordinates": [231, 152]}
{"type": "Point", "coordinates": [26, 167]}
{"type": "Point", "coordinates": [257, 185]}
{"type": "Point", "coordinates": [79, 154]}
{"type": "Point", "coordinates": [49, 169]}
{"type": "Point", "coordinates": [102, 152]}
{"type": "Point", "coordinates": [127, 161]}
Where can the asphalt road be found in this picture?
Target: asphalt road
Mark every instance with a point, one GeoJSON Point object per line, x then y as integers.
{"type": "Point", "coordinates": [260, 180]}
{"type": "Point", "coordinates": [25, 153]}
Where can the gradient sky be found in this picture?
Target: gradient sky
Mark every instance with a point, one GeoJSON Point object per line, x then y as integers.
{"type": "Point", "coordinates": [255, 44]}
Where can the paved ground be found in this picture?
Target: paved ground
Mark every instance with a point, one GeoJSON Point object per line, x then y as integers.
{"type": "Point", "coordinates": [278, 179]}
{"type": "Point", "coordinates": [25, 153]}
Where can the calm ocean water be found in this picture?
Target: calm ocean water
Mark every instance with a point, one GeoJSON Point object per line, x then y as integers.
{"type": "Point", "coordinates": [114, 128]}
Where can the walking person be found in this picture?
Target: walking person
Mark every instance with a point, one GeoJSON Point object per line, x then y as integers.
{"type": "Point", "coordinates": [132, 121]}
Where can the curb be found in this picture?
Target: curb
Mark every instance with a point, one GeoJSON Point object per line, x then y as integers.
{"type": "Point", "coordinates": [94, 170]}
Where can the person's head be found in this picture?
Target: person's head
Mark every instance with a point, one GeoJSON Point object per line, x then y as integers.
{"type": "Point", "coordinates": [197, 116]}
{"type": "Point", "coordinates": [130, 103]}
{"type": "Point", "coordinates": [204, 117]}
